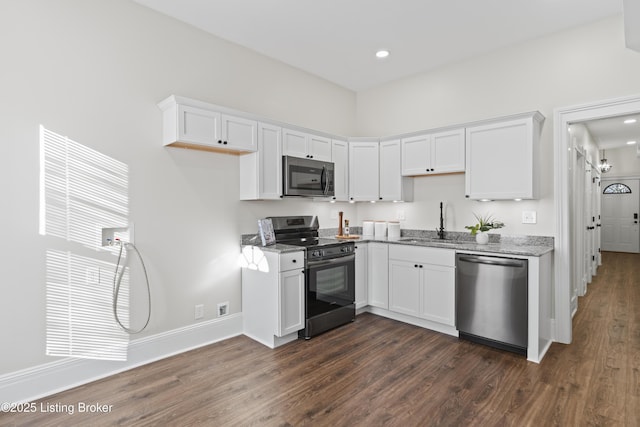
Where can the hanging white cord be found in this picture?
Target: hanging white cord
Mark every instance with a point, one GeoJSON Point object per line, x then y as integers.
{"type": "Point", "coordinates": [117, 278]}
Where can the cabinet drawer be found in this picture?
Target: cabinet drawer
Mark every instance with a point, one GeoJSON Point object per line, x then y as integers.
{"type": "Point", "coordinates": [291, 261]}
{"type": "Point", "coordinates": [435, 256]}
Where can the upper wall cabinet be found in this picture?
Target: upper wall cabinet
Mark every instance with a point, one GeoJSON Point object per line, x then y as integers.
{"type": "Point", "coordinates": [302, 144]}
{"type": "Point", "coordinates": [195, 124]}
{"type": "Point", "coordinates": [261, 171]}
{"type": "Point", "coordinates": [502, 158]}
{"type": "Point", "coordinates": [340, 159]}
{"type": "Point", "coordinates": [436, 153]}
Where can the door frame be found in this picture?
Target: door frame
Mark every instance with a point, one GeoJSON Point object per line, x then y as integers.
{"type": "Point", "coordinates": [563, 268]}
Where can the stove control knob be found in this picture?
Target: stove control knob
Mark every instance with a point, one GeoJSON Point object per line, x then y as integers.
{"type": "Point", "coordinates": [316, 253]}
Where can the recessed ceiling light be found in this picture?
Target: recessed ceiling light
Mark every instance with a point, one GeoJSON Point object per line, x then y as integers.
{"type": "Point", "coordinates": [382, 53]}
{"type": "Point", "coordinates": [629, 121]}
{"type": "Point", "coordinates": [631, 142]}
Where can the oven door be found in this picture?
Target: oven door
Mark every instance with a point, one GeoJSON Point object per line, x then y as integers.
{"type": "Point", "coordinates": [330, 284]}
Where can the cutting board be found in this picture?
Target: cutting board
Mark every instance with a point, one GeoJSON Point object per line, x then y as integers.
{"type": "Point", "coordinates": [349, 237]}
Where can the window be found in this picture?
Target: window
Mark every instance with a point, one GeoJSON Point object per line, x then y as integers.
{"type": "Point", "coordinates": [616, 188]}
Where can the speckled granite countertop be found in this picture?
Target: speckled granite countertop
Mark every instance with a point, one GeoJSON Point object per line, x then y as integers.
{"type": "Point", "coordinates": [459, 241]}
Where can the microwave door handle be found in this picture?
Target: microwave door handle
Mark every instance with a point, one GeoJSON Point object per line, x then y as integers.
{"type": "Point", "coordinates": [323, 180]}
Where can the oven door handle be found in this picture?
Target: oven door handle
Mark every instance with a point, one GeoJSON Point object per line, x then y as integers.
{"type": "Point", "coordinates": [332, 261]}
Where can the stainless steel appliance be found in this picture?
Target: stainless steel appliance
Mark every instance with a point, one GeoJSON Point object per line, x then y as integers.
{"type": "Point", "coordinates": [329, 274]}
{"type": "Point", "coordinates": [491, 301]}
{"type": "Point", "coordinates": [307, 177]}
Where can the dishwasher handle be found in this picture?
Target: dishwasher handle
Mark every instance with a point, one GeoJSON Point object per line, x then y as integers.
{"type": "Point", "coordinates": [492, 261]}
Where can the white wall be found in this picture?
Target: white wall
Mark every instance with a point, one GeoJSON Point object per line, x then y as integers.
{"type": "Point", "coordinates": [94, 71]}
{"type": "Point", "coordinates": [585, 64]}
{"type": "Point", "coordinates": [624, 161]}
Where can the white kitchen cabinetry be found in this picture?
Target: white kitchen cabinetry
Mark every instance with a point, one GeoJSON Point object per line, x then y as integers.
{"type": "Point", "coordinates": [302, 144]}
{"type": "Point", "coordinates": [361, 274]}
{"type": "Point", "coordinates": [195, 124]}
{"type": "Point", "coordinates": [374, 172]}
{"type": "Point", "coordinates": [392, 185]}
{"type": "Point", "coordinates": [273, 300]}
{"type": "Point", "coordinates": [422, 283]}
{"type": "Point", "coordinates": [340, 159]}
{"type": "Point", "coordinates": [436, 153]}
{"type": "Point", "coordinates": [261, 171]}
{"type": "Point", "coordinates": [378, 275]}
{"type": "Point", "coordinates": [363, 171]}
{"type": "Point", "coordinates": [502, 158]}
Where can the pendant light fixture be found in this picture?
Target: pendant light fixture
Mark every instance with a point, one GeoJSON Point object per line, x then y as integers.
{"type": "Point", "coordinates": [604, 166]}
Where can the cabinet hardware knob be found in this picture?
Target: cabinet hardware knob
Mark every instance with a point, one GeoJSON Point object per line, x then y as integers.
{"type": "Point", "coordinates": [432, 170]}
{"type": "Point", "coordinates": [421, 266]}
{"type": "Point", "coordinates": [294, 261]}
{"type": "Point", "coordinates": [380, 198]}
{"type": "Point", "coordinates": [311, 157]}
{"type": "Point", "coordinates": [219, 141]}
{"type": "Point", "coordinates": [416, 265]}
{"type": "Point", "coordinates": [224, 143]}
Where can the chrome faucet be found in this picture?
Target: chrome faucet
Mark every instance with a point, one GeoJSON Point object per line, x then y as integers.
{"type": "Point", "coordinates": [441, 229]}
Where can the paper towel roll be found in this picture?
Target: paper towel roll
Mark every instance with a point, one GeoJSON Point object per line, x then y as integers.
{"type": "Point", "coordinates": [367, 228]}
{"type": "Point", "coordinates": [380, 229]}
{"type": "Point", "coordinates": [393, 230]}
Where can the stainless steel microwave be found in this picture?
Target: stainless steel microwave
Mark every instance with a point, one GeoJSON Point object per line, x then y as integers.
{"type": "Point", "coordinates": [307, 177]}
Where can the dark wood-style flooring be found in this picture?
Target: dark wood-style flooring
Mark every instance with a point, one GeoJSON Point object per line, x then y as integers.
{"type": "Point", "coordinates": [380, 372]}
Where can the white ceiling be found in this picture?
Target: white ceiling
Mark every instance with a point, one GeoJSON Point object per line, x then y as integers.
{"type": "Point", "coordinates": [613, 132]}
{"type": "Point", "coordinates": [337, 39]}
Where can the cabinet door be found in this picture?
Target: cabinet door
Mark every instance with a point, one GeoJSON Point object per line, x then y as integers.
{"type": "Point", "coordinates": [447, 151]}
{"type": "Point", "coordinates": [390, 175]}
{"type": "Point", "coordinates": [319, 148]}
{"type": "Point", "coordinates": [404, 287]}
{"type": "Point", "coordinates": [294, 143]}
{"type": "Point", "coordinates": [270, 166]}
{"type": "Point", "coordinates": [438, 294]}
{"type": "Point", "coordinates": [340, 158]}
{"type": "Point", "coordinates": [291, 302]}
{"type": "Point", "coordinates": [416, 155]}
{"type": "Point", "coordinates": [378, 275]}
{"type": "Point", "coordinates": [239, 133]}
{"type": "Point", "coordinates": [361, 275]}
{"type": "Point", "coordinates": [363, 171]}
{"type": "Point", "coordinates": [198, 126]}
{"type": "Point", "coordinates": [499, 161]}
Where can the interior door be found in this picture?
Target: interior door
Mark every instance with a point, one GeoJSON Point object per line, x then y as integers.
{"type": "Point", "coordinates": [620, 210]}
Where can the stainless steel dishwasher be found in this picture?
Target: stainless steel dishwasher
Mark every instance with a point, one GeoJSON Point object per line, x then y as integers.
{"type": "Point", "coordinates": [491, 301]}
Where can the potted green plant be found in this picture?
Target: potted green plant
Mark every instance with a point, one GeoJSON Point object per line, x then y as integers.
{"type": "Point", "coordinates": [484, 224]}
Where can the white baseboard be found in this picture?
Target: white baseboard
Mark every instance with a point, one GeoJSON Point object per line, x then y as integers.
{"type": "Point", "coordinates": [63, 374]}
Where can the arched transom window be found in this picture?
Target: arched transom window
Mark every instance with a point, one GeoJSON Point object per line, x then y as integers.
{"type": "Point", "coordinates": [616, 188]}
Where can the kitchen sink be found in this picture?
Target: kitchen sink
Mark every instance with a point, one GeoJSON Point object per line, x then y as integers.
{"type": "Point", "coordinates": [428, 240]}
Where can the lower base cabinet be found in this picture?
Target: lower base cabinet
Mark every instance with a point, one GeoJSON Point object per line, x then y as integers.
{"type": "Point", "coordinates": [378, 275]}
{"type": "Point", "coordinates": [361, 275]}
{"type": "Point", "coordinates": [273, 296]}
{"type": "Point", "coordinates": [422, 283]}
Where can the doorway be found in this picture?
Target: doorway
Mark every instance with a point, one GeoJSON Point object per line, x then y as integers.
{"type": "Point", "coordinates": [564, 260]}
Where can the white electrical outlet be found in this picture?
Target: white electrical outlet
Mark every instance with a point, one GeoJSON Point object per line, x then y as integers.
{"type": "Point", "coordinates": [199, 311]}
{"type": "Point", "coordinates": [223, 309]}
{"type": "Point", "coordinates": [529, 217]}
{"type": "Point", "coordinates": [400, 215]}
